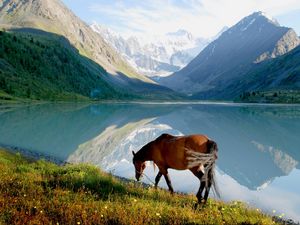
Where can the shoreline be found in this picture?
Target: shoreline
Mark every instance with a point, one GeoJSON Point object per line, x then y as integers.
{"type": "Point", "coordinates": [31, 155]}
{"type": "Point", "coordinates": [19, 101]}
{"type": "Point", "coordinates": [173, 103]}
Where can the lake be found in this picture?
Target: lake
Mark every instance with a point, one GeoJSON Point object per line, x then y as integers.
{"type": "Point", "coordinates": [259, 145]}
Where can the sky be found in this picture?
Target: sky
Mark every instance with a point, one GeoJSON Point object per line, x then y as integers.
{"type": "Point", "coordinates": [203, 18]}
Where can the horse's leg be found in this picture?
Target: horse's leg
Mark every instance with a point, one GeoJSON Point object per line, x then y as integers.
{"type": "Point", "coordinates": [207, 188]}
{"type": "Point", "coordinates": [169, 182]}
{"type": "Point", "coordinates": [201, 188]}
{"type": "Point", "coordinates": [157, 178]}
{"type": "Point", "coordinates": [164, 171]}
{"type": "Point", "coordinates": [199, 175]}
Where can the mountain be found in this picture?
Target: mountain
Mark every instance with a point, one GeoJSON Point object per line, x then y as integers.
{"type": "Point", "coordinates": [54, 17]}
{"type": "Point", "coordinates": [254, 39]}
{"type": "Point", "coordinates": [47, 67]}
{"type": "Point", "coordinates": [276, 80]}
{"type": "Point", "coordinates": [159, 55]}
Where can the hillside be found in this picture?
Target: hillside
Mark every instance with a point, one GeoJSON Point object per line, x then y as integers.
{"type": "Point", "coordinates": [42, 192]}
{"type": "Point", "coordinates": [277, 80]}
{"type": "Point", "coordinates": [254, 39]}
{"type": "Point", "coordinates": [42, 66]}
{"type": "Point", "coordinates": [54, 17]}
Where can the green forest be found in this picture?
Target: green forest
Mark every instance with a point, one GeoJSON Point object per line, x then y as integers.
{"type": "Point", "coordinates": [47, 67]}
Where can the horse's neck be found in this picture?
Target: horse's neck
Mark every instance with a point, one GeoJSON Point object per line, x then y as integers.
{"type": "Point", "coordinates": [145, 154]}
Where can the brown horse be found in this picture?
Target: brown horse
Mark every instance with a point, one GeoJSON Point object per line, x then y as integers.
{"type": "Point", "coordinates": [195, 152]}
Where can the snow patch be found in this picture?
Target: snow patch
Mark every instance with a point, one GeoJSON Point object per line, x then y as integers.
{"type": "Point", "coordinates": [249, 24]}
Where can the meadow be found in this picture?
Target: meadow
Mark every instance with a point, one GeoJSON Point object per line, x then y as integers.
{"type": "Point", "coordinates": [40, 192]}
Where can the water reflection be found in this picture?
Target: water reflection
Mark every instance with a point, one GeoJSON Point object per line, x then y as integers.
{"type": "Point", "coordinates": [258, 145]}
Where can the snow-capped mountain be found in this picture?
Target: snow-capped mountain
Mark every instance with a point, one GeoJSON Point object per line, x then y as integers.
{"type": "Point", "coordinates": [158, 55]}
{"type": "Point", "coordinates": [217, 72]}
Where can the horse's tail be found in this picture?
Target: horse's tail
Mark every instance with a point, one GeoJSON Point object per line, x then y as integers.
{"type": "Point", "coordinates": [213, 149]}
{"type": "Point", "coordinates": [212, 176]}
{"type": "Point", "coordinates": [208, 160]}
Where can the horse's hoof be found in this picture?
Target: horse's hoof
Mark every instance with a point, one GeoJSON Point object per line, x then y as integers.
{"type": "Point", "coordinates": [196, 205]}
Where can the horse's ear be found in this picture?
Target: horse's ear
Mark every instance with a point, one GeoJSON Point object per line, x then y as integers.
{"type": "Point", "coordinates": [133, 153]}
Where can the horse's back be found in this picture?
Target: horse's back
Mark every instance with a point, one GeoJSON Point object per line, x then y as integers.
{"type": "Point", "coordinates": [172, 149]}
{"type": "Point", "coordinates": [196, 142]}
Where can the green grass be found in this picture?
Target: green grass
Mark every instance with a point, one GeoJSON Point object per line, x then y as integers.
{"type": "Point", "coordinates": [36, 192]}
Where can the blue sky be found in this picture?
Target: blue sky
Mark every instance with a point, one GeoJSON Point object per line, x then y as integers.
{"type": "Point", "coordinates": [201, 17]}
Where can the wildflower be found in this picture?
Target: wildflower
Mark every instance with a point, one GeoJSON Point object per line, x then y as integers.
{"type": "Point", "coordinates": [78, 222]}
{"type": "Point", "coordinates": [134, 200]}
{"type": "Point", "coordinates": [41, 211]}
{"type": "Point", "coordinates": [105, 207]}
{"type": "Point", "coordinates": [274, 211]}
{"type": "Point", "coordinates": [257, 210]}
{"type": "Point", "coordinates": [223, 209]}
{"type": "Point", "coordinates": [24, 195]}
{"type": "Point", "coordinates": [157, 214]}
{"type": "Point", "coordinates": [102, 216]}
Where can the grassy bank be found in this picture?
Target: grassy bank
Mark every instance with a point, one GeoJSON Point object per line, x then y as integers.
{"type": "Point", "coordinates": [36, 192]}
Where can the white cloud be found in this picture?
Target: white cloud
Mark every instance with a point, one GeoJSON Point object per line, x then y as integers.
{"type": "Point", "coordinates": [201, 17]}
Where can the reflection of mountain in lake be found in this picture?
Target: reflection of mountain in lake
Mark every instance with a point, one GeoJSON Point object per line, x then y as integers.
{"type": "Point", "coordinates": [282, 160]}
{"type": "Point", "coordinates": [58, 130]}
{"type": "Point", "coordinates": [116, 144]}
{"type": "Point", "coordinates": [256, 143]}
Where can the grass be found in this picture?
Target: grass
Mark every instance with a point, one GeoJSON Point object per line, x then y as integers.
{"type": "Point", "coordinates": [39, 192]}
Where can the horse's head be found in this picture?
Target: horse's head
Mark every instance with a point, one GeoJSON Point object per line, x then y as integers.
{"type": "Point", "coordinates": [139, 166]}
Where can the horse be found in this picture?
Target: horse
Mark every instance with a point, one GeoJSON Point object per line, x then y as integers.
{"type": "Point", "coordinates": [194, 152]}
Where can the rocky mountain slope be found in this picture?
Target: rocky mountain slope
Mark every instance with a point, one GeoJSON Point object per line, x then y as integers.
{"type": "Point", "coordinates": [54, 17]}
{"type": "Point", "coordinates": [254, 39]}
{"type": "Point", "coordinates": [157, 56]}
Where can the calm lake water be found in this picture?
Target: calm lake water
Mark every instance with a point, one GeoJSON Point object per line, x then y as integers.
{"type": "Point", "coordinates": [259, 145]}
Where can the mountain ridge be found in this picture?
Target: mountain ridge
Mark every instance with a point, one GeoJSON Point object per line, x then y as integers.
{"type": "Point", "coordinates": [252, 40]}
{"type": "Point", "coordinates": [156, 56]}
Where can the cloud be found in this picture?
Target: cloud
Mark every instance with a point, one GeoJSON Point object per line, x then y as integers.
{"type": "Point", "coordinates": [201, 17]}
